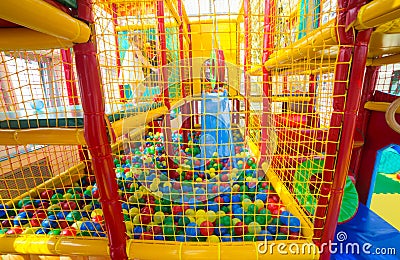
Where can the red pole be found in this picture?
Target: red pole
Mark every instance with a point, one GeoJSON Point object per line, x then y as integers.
{"type": "Point", "coordinates": [66, 57]}
{"type": "Point", "coordinates": [346, 137]}
{"type": "Point", "coordinates": [97, 141]}
{"type": "Point", "coordinates": [163, 45]}
{"type": "Point", "coordinates": [96, 137]}
{"type": "Point", "coordinates": [268, 45]}
{"type": "Point", "coordinates": [363, 182]}
{"type": "Point", "coordinates": [115, 24]}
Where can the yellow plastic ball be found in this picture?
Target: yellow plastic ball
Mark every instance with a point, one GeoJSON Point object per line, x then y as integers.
{"type": "Point", "coordinates": [199, 179]}
{"type": "Point", "coordinates": [220, 213]}
{"type": "Point", "coordinates": [136, 220]}
{"type": "Point", "coordinates": [246, 203]}
{"type": "Point", "coordinates": [200, 214]}
{"type": "Point", "coordinates": [254, 228]}
{"type": "Point", "coordinates": [190, 212]}
{"type": "Point", "coordinates": [192, 219]}
{"type": "Point", "coordinates": [134, 211]}
{"type": "Point", "coordinates": [167, 184]}
{"type": "Point", "coordinates": [235, 221]}
{"type": "Point", "coordinates": [213, 239]}
{"type": "Point", "coordinates": [211, 216]}
{"type": "Point", "coordinates": [129, 226]}
{"type": "Point", "coordinates": [158, 217]}
{"type": "Point", "coordinates": [67, 196]}
{"type": "Point", "coordinates": [156, 180]}
{"type": "Point", "coordinates": [199, 221]}
{"type": "Point", "coordinates": [153, 187]}
{"type": "Point", "coordinates": [236, 188]}
{"type": "Point", "coordinates": [96, 212]}
{"type": "Point", "coordinates": [259, 204]}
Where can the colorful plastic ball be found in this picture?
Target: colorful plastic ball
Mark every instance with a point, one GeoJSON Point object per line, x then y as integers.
{"type": "Point", "coordinates": [180, 238]}
{"type": "Point", "coordinates": [254, 228]}
{"type": "Point", "coordinates": [261, 196]}
{"type": "Point", "coordinates": [69, 231]}
{"type": "Point", "coordinates": [213, 206]}
{"type": "Point", "coordinates": [42, 231]}
{"type": "Point", "coordinates": [219, 231]}
{"type": "Point", "coordinates": [55, 232]}
{"type": "Point", "coordinates": [159, 237]}
{"type": "Point", "coordinates": [246, 203]}
{"type": "Point", "coordinates": [137, 231]}
{"type": "Point", "coordinates": [206, 228]}
{"type": "Point", "coordinates": [225, 221]}
{"type": "Point", "coordinates": [22, 218]}
{"type": "Point", "coordinates": [183, 221]}
{"type": "Point", "coordinates": [238, 213]}
{"type": "Point", "coordinates": [264, 235]}
{"type": "Point", "coordinates": [158, 217]}
{"type": "Point", "coordinates": [226, 238]}
{"type": "Point", "coordinates": [213, 239]}
{"type": "Point", "coordinates": [240, 229]}
{"type": "Point", "coordinates": [251, 209]}
{"type": "Point", "coordinates": [192, 230]}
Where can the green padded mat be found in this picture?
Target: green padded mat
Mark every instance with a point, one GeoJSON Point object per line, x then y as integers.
{"type": "Point", "coordinates": [73, 118]}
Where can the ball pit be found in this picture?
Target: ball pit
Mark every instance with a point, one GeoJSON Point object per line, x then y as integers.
{"type": "Point", "coordinates": [215, 200]}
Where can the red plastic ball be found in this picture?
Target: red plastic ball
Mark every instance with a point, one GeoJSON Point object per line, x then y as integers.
{"type": "Point", "coordinates": [146, 236]}
{"type": "Point", "coordinates": [177, 209]}
{"type": "Point", "coordinates": [14, 230]}
{"type": "Point", "coordinates": [224, 177]}
{"type": "Point", "coordinates": [240, 229]}
{"type": "Point", "coordinates": [206, 228]}
{"type": "Point", "coordinates": [98, 218]}
{"type": "Point", "coordinates": [145, 219]}
{"type": "Point", "coordinates": [63, 224]}
{"type": "Point", "coordinates": [35, 222]}
{"type": "Point", "coordinates": [47, 194]}
{"type": "Point", "coordinates": [69, 205]}
{"type": "Point", "coordinates": [219, 200]}
{"type": "Point", "coordinates": [156, 230]}
{"type": "Point", "coordinates": [96, 194]}
{"type": "Point", "coordinates": [284, 229]}
{"type": "Point", "coordinates": [69, 232]}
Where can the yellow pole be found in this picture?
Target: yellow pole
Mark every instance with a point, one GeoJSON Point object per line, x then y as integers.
{"type": "Point", "coordinates": [43, 17]}
{"type": "Point", "coordinates": [27, 39]}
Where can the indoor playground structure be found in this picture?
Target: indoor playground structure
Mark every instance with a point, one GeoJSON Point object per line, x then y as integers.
{"type": "Point", "coordinates": [197, 129]}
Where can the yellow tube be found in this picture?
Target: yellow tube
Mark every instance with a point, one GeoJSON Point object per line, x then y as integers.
{"type": "Point", "coordinates": [376, 13]}
{"type": "Point", "coordinates": [391, 59]}
{"type": "Point", "coordinates": [27, 39]}
{"type": "Point", "coordinates": [53, 245]}
{"type": "Point", "coordinates": [69, 176]}
{"type": "Point", "coordinates": [378, 106]}
{"type": "Point", "coordinates": [55, 136]}
{"type": "Point", "coordinates": [43, 17]}
{"type": "Point", "coordinates": [139, 120]}
{"type": "Point", "coordinates": [323, 37]}
{"type": "Point", "coordinates": [137, 249]}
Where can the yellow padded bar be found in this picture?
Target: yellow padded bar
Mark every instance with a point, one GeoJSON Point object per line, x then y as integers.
{"type": "Point", "coordinates": [53, 245]}
{"type": "Point", "coordinates": [137, 249]}
{"type": "Point", "coordinates": [377, 12]}
{"type": "Point", "coordinates": [43, 17]}
{"type": "Point", "coordinates": [27, 39]}
{"type": "Point", "coordinates": [378, 106]}
{"type": "Point", "coordinates": [317, 40]}
{"type": "Point", "coordinates": [54, 136]}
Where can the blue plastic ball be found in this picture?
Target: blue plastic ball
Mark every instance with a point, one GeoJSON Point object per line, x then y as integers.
{"type": "Point", "coordinates": [192, 230]}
